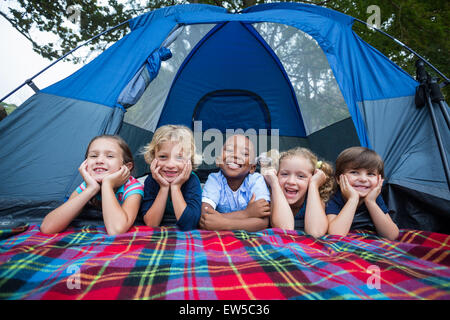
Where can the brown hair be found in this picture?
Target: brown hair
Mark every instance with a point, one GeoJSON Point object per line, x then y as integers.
{"type": "Point", "coordinates": [325, 190]}
{"type": "Point", "coordinates": [127, 157]}
{"type": "Point", "coordinates": [126, 152]}
{"type": "Point", "coordinates": [359, 157]}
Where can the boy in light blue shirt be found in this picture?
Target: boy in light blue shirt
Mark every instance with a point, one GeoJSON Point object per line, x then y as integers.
{"type": "Point", "coordinates": [235, 197]}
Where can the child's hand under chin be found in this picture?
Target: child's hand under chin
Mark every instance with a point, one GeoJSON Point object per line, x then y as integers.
{"type": "Point", "coordinates": [346, 189]}
{"type": "Point", "coordinates": [154, 168]}
{"type": "Point", "coordinates": [270, 175]}
{"type": "Point", "coordinates": [375, 192]}
{"type": "Point", "coordinates": [118, 178]}
{"type": "Point", "coordinates": [184, 175]}
{"type": "Point", "coordinates": [91, 183]}
{"type": "Point", "coordinates": [318, 178]}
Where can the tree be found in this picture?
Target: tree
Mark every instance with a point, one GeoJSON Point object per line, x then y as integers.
{"type": "Point", "coordinates": [422, 25]}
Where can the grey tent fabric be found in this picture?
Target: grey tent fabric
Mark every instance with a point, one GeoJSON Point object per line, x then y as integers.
{"type": "Point", "coordinates": [45, 140]}
{"type": "Point", "coordinates": [406, 141]}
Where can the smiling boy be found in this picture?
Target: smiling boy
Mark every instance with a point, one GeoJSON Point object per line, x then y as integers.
{"type": "Point", "coordinates": [172, 192]}
{"type": "Point", "coordinates": [358, 202]}
{"type": "Point", "coordinates": [235, 197]}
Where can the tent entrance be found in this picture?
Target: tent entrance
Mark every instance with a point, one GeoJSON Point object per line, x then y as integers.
{"type": "Point", "coordinates": [233, 57]}
{"type": "Point", "coordinates": [232, 109]}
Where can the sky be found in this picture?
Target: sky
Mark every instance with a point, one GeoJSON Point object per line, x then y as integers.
{"type": "Point", "coordinates": [18, 62]}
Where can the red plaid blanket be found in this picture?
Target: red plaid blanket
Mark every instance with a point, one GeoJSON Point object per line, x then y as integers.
{"type": "Point", "coordinates": [164, 263]}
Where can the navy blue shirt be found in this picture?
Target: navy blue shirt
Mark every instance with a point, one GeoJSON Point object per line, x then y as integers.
{"type": "Point", "coordinates": [299, 217]}
{"type": "Point", "coordinates": [192, 194]}
{"type": "Point", "coordinates": [362, 219]}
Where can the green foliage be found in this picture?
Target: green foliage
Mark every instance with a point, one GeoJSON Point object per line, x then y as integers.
{"type": "Point", "coordinates": [9, 107]}
{"type": "Point", "coordinates": [421, 25]}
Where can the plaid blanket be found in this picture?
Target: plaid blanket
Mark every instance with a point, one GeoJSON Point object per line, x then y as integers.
{"type": "Point", "coordinates": [164, 263]}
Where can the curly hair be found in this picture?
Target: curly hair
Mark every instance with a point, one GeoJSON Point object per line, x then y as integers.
{"type": "Point", "coordinates": [328, 188]}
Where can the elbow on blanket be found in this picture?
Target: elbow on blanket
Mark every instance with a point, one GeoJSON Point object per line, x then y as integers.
{"type": "Point", "coordinates": [44, 229]}
{"type": "Point", "coordinates": [393, 235]}
{"type": "Point", "coordinates": [115, 228]}
{"type": "Point", "coordinates": [336, 232]}
{"type": "Point", "coordinates": [316, 233]}
{"type": "Point", "coordinates": [341, 234]}
{"type": "Point", "coordinates": [115, 231]}
{"type": "Point", "coordinates": [48, 228]}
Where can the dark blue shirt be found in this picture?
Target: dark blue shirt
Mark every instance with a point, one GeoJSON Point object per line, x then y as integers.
{"type": "Point", "coordinates": [192, 194]}
{"type": "Point", "coordinates": [362, 219]}
{"type": "Point", "coordinates": [299, 217]}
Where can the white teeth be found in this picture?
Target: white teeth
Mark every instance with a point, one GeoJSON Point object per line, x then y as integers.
{"type": "Point", "coordinates": [233, 165]}
{"type": "Point", "coordinates": [170, 173]}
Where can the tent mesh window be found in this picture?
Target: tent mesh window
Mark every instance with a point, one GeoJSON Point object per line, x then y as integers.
{"type": "Point", "coordinates": [318, 94]}
{"type": "Point", "coordinates": [145, 113]}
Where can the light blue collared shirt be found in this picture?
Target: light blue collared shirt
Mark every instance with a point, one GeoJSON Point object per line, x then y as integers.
{"type": "Point", "coordinates": [219, 195]}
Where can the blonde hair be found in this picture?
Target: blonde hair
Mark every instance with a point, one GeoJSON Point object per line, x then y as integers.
{"type": "Point", "coordinates": [173, 133]}
{"type": "Point", "coordinates": [325, 190]}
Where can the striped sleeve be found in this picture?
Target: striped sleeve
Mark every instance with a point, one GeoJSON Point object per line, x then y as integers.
{"type": "Point", "coordinates": [81, 188]}
{"type": "Point", "coordinates": [132, 186]}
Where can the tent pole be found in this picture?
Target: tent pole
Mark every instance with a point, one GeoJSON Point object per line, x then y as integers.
{"type": "Point", "coordinates": [30, 82]}
{"type": "Point", "coordinates": [446, 80]}
{"type": "Point", "coordinates": [425, 91]}
{"type": "Point", "coordinates": [437, 97]}
{"type": "Point", "coordinates": [439, 141]}
{"type": "Point", "coordinates": [445, 113]}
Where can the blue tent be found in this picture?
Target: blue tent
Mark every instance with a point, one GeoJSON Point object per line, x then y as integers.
{"type": "Point", "coordinates": [293, 69]}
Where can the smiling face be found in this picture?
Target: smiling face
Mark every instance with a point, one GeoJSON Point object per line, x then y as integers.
{"type": "Point", "coordinates": [236, 161]}
{"type": "Point", "coordinates": [103, 158]}
{"type": "Point", "coordinates": [294, 174]}
{"type": "Point", "coordinates": [361, 166]}
{"type": "Point", "coordinates": [171, 158]}
{"type": "Point", "coordinates": [362, 180]}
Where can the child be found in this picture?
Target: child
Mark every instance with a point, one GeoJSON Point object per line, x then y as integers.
{"type": "Point", "coordinates": [235, 197]}
{"type": "Point", "coordinates": [107, 185]}
{"type": "Point", "coordinates": [300, 188]}
{"type": "Point", "coordinates": [172, 193]}
{"type": "Point", "coordinates": [358, 202]}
